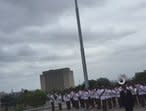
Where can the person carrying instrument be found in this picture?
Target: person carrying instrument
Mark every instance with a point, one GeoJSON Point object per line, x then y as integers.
{"type": "Point", "coordinates": [126, 95]}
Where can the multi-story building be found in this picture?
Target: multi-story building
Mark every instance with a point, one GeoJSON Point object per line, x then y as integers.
{"type": "Point", "coordinates": [57, 79]}
{"type": "Point", "coordinates": [140, 77]}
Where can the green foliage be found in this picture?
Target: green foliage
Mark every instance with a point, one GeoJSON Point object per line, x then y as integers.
{"type": "Point", "coordinates": [9, 100]}
{"type": "Point", "coordinates": [19, 108]}
{"type": "Point", "coordinates": [92, 83]}
{"type": "Point", "coordinates": [103, 82]}
{"type": "Point", "coordinates": [140, 77]}
{"type": "Point", "coordinates": [34, 98]}
{"type": "Point", "coordinates": [79, 87]}
{"type": "Point", "coordinates": [97, 83]}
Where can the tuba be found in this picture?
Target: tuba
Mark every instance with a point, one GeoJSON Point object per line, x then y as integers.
{"type": "Point", "coordinates": [122, 79]}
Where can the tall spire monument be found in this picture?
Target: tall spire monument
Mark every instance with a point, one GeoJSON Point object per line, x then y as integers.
{"type": "Point", "coordinates": [81, 45]}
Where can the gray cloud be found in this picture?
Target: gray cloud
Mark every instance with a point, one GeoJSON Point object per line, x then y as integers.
{"type": "Point", "coordinates": [33, 12]}
{"type": "Point", "coordinates": [40, 35]}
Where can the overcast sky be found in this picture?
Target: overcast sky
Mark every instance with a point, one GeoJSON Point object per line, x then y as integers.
{"type": "Point", "coordinates": [39, 35]}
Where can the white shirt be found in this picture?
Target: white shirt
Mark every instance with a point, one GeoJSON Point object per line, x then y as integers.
{"type": "Point", "coordinates": [76, 97]}
{"type": "Point", "coordinates": [85, 95]}
{"type": "Point", "coordinates": [59, 99]}
{"type": "Point", "coordinates": [52, 99]}
{"type": "Point", "coordinates": [67, 97]}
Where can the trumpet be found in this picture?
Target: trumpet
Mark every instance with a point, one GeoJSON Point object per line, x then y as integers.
{"type": "Point", "coordinates": [122, 79]}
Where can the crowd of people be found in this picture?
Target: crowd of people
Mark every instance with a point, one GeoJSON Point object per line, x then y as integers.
{"type": "Point", "coordinates": [100, 98]}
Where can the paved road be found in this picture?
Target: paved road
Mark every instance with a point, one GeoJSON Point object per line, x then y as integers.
{"type": "Point", "coordinates": [115, 109]}
{"type": "Point", "coordinates": [136, 108]}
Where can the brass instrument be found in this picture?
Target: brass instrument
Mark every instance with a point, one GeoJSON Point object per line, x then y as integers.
{"type": "Point", "coordinates": [122, 79]}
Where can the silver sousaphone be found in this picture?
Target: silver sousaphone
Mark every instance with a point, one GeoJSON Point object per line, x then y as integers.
{"type": "Point", "coordinates": [122, 79]}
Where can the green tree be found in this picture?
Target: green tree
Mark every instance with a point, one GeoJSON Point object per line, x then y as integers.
{"type": "Point", "coordinates": [92, 83]}
{"type": "Point", "coordinates": [140, 77]}
{"type": "Point", "coordinates": [9, 100]}
{"type": "Point", "coordinates": [103, 82]}
{"type": "Point", "coordinates": [34, 98]}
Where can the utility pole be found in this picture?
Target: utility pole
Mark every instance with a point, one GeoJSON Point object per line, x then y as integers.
{"type": "Point", "coordinates": [81, 45]}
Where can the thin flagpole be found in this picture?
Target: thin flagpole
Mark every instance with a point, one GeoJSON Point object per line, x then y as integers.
{"type": "Point", "coordinates": [81, 45]}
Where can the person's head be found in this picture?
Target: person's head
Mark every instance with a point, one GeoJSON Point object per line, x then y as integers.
{"type": "Point", "coordinates": [124, 87]}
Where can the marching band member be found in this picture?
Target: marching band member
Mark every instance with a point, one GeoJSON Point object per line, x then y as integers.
{"type": "Point", "coordinates": [144, 88]}
{"type": "Point", "coordinates": [72, 100]}
{"type": "Point", "coordinates": [91, 97]}
{"type": "Point", "coordinates": [98, 101]}
{"type": "Point", "coordinates": [118, 90]}
{"type": "Point", "coordinates": [81, 98]}
{"type": "Point", "coordinates": [59, 101]}
{"type": "Point", "coordinates": [134, 93]}
{"type": "Point", "coordinates": [126, 95]}
{"type": "Point", "coordinates": [52, 101]}
{"type": "Point", "coordinates": [86, 98]}
{"type": "Point", "coordinates": [109, 98]}
{"type": "Point", "coordinates": [113, 97]}
{"type": "Point", "coordinates": [67, 99]}
{"type": "Point", "coordinates": [127, 98]}
{"type": "Point", "coordinates": [103, 97]}
{"type": "Point", "coordinates": [76, 99]}
{"type": "Point", "coordinates": [141, 94]}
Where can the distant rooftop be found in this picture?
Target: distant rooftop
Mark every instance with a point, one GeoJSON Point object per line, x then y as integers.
{"type": "Point", "coordinates": [57, 70]}
{"type": "Point", "coordinates": [141, 72]}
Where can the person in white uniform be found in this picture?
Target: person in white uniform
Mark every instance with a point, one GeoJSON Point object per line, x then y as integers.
{"type": "Point", "coordinates": [67, 99]}
{"type": "Point", "coordinates": [59, 101]}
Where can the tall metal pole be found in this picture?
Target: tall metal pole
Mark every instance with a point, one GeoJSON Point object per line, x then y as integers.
{"type": "Point", "coordinates": [81, 45]}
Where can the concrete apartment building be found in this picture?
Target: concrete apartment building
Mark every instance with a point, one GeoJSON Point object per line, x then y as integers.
{"type": "Point", "coordinates": [57, 79]}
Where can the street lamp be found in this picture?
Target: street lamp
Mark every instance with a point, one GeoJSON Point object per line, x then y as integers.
{"type": "Point", "coordinates": [81, 45]}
